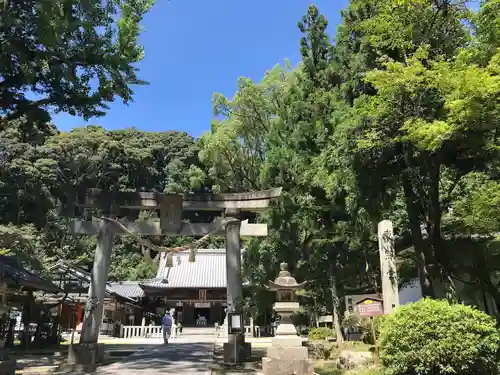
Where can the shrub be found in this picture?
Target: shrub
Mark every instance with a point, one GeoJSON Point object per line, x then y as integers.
{"type": "Point", "coordinates": [432, 337]}
{"type": "Point", "coordinates": [321, 333]}
{"type": "Point", "coordinates": [363, 326]}
{"type": "Point", "coordinates": [319, 350]}
{"type": "Point", "coordinates": [367, 329]}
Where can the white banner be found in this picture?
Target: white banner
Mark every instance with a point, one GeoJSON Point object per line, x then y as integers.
{"type": "Point", "coordinates": [202, 305]}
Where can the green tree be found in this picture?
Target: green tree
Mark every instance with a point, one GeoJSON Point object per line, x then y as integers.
{"type": "Point", "coordinates": [385, 140]}
{"type": "Point", "coordinates": [272, 134]}
{"type": "Point", "coordinates": [67, 56]}
{"type": "Point", "coordinates": [40, 181]}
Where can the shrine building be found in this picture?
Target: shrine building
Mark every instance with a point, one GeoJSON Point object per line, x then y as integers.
{"type": "Point", "coordinates": [196, 290]}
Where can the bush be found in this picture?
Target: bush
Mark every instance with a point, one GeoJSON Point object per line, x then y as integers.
{"type": "Point", "coordinates": [432, 337]}
{"type": "Point", "coordinates": [322, 350]}
{"type": "Point", "coordinates": [363, 325]}
{"type": "Point", "coordinates": [321, 333]}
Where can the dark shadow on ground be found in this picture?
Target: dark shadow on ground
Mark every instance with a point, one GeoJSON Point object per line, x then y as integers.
{"type": "Point", "coordinates": [58, 355]}
{"type": "Point", "coordinates": [182, 358]}
{"type": "Point", "coordinates": [253, 365]}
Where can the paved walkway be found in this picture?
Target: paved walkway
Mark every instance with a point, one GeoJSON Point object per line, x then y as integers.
{"type": "Point", "coordinates": [177, 357]}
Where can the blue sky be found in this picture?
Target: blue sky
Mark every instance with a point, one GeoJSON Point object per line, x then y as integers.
{"type": "Point", "coordinates": [197, 47]}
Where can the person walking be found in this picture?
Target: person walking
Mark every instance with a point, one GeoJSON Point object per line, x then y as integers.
{"type": "Point", "coordinates": [166, 323]}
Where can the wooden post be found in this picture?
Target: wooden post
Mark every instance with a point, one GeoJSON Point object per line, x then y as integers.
{"type": "Point", "coordinates": [374, 335]}
{"type": "Point", "coordinates": [72, 324]}
{"type": "Point", "coordinates": [98, 281]}
{"type": "Point", "coordinates": [252, 328]}
{"type": "Point", "coordinates": [390, 290]}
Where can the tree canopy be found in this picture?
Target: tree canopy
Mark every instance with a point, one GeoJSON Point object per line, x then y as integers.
{"type": "Point", "coordinates": [371, 125]}
{"type": "Point", "coordinates": [67, 56]}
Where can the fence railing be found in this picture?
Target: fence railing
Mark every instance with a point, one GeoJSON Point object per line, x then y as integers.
{"type": "Point", "coordinates": [152, 332]}
{"type": "Point", "coordinates": [129, 332]}
{"type": "Point", "coordinates": [221, 331]}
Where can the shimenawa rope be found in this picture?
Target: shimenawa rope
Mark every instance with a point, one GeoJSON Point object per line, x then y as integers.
{"type": "Point", "coordinates": [170, 250]}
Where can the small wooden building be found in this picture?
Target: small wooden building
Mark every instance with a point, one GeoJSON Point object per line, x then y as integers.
{"type": "Point", "coordinates": [18, 284]}
{"type": "Point", "coordinates": [16, 280]}
{"type": "Point", "coordinates": [18, 287]}
{"type": "Point", "coordinates": [74, 282]}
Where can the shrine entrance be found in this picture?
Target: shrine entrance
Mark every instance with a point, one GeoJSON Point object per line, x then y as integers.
{"type": "Point", "coordinates": [202, 313]}
{"type": "Point", "coordinates": [233, 210]}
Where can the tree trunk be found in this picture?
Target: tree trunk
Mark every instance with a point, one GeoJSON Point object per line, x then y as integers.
{"type": "Point", "coordinates": [26, 318]}
{"type": "Point", "coordinates": [487, 285]}
{"type": "Point", "coordinates": [335, 304]}
{"type": "Point", "coordinates": [419, 246]}
{"type": "Point", "coordinates": [441, 259]}
{"type": "Point", "coordinates": [316, 315]}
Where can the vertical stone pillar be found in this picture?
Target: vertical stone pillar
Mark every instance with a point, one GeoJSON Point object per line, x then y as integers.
{"type": "Point", "coordinates": [390, 290]}
{"type": "Point", "coordinates": [233, 265]}
{"type": "Point", "coordinates": [235, 350]}
{"type": "Point", "coordinates": [98, 281]}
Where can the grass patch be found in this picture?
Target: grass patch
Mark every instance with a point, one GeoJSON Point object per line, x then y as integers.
{"type": "Point", "coordinates": [327, 368]}
{"type": "Point", "coordinates": [330, 368]}
{"type": "Point", "coordinates": [355, 346]}
{"type": "Point", "coordinates": [324, 350]}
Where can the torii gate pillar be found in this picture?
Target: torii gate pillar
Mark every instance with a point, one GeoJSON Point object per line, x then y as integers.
{"type": "Point", "coordinates": [236, 349]}
{"type": "Point", "coordinates": [233, 263]}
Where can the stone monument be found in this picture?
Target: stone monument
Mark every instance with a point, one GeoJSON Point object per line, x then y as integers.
{"type": "Point", "coordinates": [390, 290]}
{"type": "Point", "coordinates": [286, 355]}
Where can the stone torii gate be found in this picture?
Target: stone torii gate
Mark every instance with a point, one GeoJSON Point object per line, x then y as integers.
{"type": "Point", "coordinates": [170, 206]}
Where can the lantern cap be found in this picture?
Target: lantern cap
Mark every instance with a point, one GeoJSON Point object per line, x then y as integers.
{"type": "Point", "coordinates": [285, 280]}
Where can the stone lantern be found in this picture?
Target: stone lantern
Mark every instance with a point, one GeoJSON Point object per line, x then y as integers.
{"type": "Point", "coordinates": [286, 355]}
{"type": "Point", "coordinates": [287, 303]}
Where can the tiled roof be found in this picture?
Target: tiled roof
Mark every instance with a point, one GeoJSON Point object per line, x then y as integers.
{"type": "Point", "coordinates": [24, 277]}
{"type": "Point", "coordinates": [130, 289]}
{"type": "Point", "coordinates": [154, 283]}
{"type": "Point", "coordinates": [208, 271]}
{"type": "Point", "coordinates": [80, 274]}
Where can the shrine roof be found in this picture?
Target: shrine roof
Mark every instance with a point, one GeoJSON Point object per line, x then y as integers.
{"type": "Point", "coordinates": [208, 271]}
{"type": "Point", "coordinates": [130, 289]}
{"type": "Point", "coordinates": [72, 274]}
{"type": "Point", "coordinates": [25, 278]}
